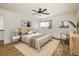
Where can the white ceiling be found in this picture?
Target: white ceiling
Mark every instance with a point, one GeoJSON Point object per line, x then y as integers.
{"type": "Point", "coordinates": [53, 8]}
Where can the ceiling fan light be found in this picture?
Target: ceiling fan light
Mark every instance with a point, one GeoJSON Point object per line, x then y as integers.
{"type": "Point", "coordinates": [40, 11]}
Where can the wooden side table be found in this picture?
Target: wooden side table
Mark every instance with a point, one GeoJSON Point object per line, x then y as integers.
{"type": "Point", "coordinates": [15, 38]}
{"type": "Point", "coordinates": [15, 35]}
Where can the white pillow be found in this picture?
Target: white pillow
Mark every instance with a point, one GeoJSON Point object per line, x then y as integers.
{"type": "Point", "coordinates": [30, 32]}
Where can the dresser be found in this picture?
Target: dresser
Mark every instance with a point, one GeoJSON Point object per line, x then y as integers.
{"type": "Point", "coordinates": [74, 44]}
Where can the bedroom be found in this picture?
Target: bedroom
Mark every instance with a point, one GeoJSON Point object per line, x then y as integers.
{"type": "Point", "coordinates": [20, 23]}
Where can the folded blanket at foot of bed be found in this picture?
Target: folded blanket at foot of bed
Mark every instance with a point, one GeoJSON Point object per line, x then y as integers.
{"type": "Point", "coordinates": [39, 41]}
{"type": "Point", "coordinates": [32, 41]}
{"type": "Point", "coordinates": [27, 38]}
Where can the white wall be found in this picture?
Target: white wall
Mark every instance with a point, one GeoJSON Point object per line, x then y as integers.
{"type": "Point", "coordinates": [77, 15]}
{"type": "Point", "coordinates": [1, 21]}
{"type": "Point", "coordinates": [1, 27]}
{"type": "Point", "coordinates": [55, 31]}
{"type": "Point", "coordinates": [57, 19]}
{"type": "Point", "coordinates": [11, 21]}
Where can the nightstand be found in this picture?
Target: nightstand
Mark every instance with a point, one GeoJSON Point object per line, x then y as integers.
{"type": "Point", "coordinates": [15, 38]}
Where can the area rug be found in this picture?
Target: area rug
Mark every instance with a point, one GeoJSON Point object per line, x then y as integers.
{"type": "Point", "coordinates": [46, 50]}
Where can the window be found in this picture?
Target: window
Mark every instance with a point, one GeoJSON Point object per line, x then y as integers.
{"type": "Point", "coordinates": [45, 24]}
{"type": "Point", "coordinates": [1, 23]}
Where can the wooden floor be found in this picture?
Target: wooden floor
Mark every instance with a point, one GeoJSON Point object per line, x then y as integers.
{"type": "Point", "coordinates": [62, 49]}
{"type": "Point", "coordinates": [10, 50]}
{"type": "Point", "coordinates": [65, 47]}
{"type": "Point", "coordinates": [1, 47]}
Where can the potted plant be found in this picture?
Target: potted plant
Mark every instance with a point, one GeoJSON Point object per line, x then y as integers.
{"type": "Point", "coordinates": [75, 26]}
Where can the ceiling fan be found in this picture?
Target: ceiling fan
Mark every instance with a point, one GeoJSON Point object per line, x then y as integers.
{"type": "Point", "coordinates": [40, 11]}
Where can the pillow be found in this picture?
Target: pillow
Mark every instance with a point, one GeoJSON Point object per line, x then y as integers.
{"type": "Point", "coordinates": [24, 32]}
{"type": "Point", "coordinates": [30, 32]}
{"type": "Point", "coordinates": [15, 33]}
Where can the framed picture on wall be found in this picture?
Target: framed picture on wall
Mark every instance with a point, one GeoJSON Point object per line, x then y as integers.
{"type": "Point", "coordinates": [46, 24]}
{"type": "Point", "coordinates": [64, 24]}
{"type": "Point", "coordinates": [25, 23]}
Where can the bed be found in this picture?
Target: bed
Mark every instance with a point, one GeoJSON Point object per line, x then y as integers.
{"type": "Point", "coordinates": [48, 49]}
{"type": "Point", "coordinates": [36, 40]}
{"type": "Point", "coordinates": [28, 37]}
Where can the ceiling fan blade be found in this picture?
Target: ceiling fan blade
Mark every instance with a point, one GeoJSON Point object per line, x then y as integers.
{"type": "Point", "coordinates": [40, 9]}
{"type": "Point", "coordinates": [46, 13]}
{"type": "Point", "coordinates": [34, 10]}
{"type": "Point", "coordinates": [44, 10]}
{"type": "Point", "coordinates": [34, 13]}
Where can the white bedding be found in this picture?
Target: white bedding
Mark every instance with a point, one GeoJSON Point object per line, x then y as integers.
{"type": "Point", "coordinates": [38, 42]}
{"type": "Point", "coordinates": [26, 38]}
{"type": "Point", "coordinates": [41, 41]}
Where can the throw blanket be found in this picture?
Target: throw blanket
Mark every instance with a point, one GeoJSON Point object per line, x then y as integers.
{"type": "Point", "coordinates": [38, 41]}
{"type": "Point", "coordinates": [33, 40]}
{"type": "Point", "coordinates": [26, 38]}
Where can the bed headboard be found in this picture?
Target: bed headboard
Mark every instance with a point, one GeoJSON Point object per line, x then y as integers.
{"type": "Point", "coordinates": [23, 30]}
